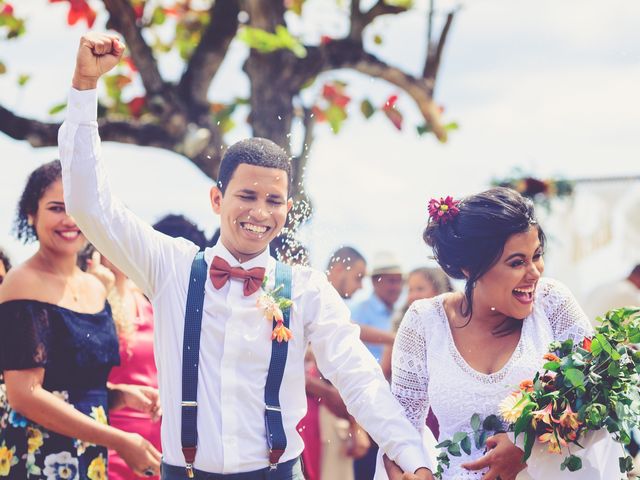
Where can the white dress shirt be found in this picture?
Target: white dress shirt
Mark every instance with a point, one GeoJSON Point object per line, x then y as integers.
{"type": "Point", "coordinates": [235, 345]}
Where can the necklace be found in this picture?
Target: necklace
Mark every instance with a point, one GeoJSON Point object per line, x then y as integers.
{"type": "Point", "coordinates": [67, 279]}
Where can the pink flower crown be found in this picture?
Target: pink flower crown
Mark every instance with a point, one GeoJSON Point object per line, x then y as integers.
{"type": "Point", "coordinates": [443, 210]}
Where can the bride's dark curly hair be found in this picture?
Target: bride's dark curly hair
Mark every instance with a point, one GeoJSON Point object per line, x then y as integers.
{"type": "Point", "coordinates": [37, 183]}
{"type": "Point", "coordinates": [469, 244]}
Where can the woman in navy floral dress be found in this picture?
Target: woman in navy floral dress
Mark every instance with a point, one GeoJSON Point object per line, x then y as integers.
{"type": "Point", "coordinates": [57, 345]}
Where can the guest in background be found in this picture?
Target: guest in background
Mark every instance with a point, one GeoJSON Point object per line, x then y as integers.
{"type": "Point", "coordinates": [133, 318]}
{"type": "Point", "coordinates": [616, 294]}
{"type": "Point", "coordinates": [374, 317]}
{"type": "Point", "coordinates": [180, 226]}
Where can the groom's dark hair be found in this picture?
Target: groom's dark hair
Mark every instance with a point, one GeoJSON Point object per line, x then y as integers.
{"type": "Point", "coordinates": [257, 151]}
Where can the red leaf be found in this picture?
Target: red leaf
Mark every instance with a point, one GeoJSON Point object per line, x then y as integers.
{"type": "Point", "coordinates": [395, 116]}
{"type": "Point", "coordinates": [7, 9]}
{"type": "Point", "coordinates": [138, 10]}
{"type": "Point", "coordinates": [329, 91]}
{"type": "Point", "coordinates": [130, 64]}
{"type": "Point", "coordinates": [325, 39]}
{"type": "Point", "coordinates": [136, 105]}
{"type": "Point", "coordinates": [390, 103]}
{"type": "Point", "coordinates": [80, 10]}
{"type": "Point", "coordinates": [318, 114]}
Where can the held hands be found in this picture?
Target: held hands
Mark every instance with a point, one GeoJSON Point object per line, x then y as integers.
{"type": "Point", "coordinates": [139, 454]}
{"type": "Point", "coordinates": [394, 472]}
{"type": "Point", "coordinates": [141, 398]}
{"type": "Point", "coordinates": [97, 54]}
{"type": "Point", "coordinates": [504, 459]}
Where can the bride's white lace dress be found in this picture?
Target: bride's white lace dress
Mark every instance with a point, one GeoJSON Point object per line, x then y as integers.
{"type": "Point", "coordinates": [428, 371]}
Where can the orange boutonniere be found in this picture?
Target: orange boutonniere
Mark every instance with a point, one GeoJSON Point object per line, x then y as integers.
{"type": "Point", "coordinates": [273, 305]}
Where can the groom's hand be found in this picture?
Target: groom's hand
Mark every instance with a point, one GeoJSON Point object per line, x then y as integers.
{"type": "Point", "coordinates": [97, 54]}
{"type": "Point", "coordinates": [420, 474]}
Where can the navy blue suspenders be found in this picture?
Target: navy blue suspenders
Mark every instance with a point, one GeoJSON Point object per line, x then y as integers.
{"type": "Point", "coordinates": [276, 437]}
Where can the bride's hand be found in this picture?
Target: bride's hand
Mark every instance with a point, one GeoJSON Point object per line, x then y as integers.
{"type": "Point", "coordinates": [503, 459]}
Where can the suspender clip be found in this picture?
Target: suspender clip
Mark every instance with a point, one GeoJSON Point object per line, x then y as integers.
{"type": "Point", "coordinates": [189, 469]}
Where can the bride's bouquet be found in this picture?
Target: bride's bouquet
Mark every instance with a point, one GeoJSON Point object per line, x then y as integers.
{"type": "Point", "coordinates": [582, 388]}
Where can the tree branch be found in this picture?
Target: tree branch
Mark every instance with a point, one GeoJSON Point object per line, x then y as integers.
{"type": "Point", "coordinates": [38, 134]}
{"type": "Point", "coordinates": [210, 52]}
{"type": "Point", "coordinates": [359, 21]}
{"type": "Point", "coordinates": [123, 19]}
{"type": "Point", "coordinates": [434, 55]}
{"type": "Point", "coordinates": [44, 134]}
{"type": "Point", "coordinates": [349, 54]}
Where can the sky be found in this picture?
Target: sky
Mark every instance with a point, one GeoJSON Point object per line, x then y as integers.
{"type": "Point", "coordinates": [549, 87]}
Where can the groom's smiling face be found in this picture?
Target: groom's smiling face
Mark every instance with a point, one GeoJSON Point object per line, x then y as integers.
{"type": "Point", "coordinates": [253, 209]}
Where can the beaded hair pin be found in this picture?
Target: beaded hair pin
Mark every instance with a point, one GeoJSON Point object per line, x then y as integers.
{"type": "Point", "coordinates": [443, 210]}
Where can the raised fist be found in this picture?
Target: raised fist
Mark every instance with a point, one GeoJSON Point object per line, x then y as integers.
{"type": "Point", "coordinates": [97, 54]}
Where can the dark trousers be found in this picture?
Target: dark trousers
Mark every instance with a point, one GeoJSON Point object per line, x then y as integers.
{"type": "Point", "coordinates": [291, 470]}
{"type": "Point", "coordinates": [365, 467]}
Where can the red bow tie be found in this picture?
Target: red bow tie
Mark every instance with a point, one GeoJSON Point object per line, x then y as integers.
{"type": "Point", "coordinates": [220, 272]}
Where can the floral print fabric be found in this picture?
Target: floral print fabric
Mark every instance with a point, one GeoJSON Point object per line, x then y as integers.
{"type": "Point", "coordinates": [62, 342]}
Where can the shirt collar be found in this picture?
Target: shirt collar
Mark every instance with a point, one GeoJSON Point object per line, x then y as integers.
{"type": "Point", "coordinates": [261, 260]}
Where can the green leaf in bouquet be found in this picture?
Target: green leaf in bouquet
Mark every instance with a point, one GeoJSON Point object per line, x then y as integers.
{"type": "Point", "coordinates": [571, 463]}
{"type": "Point", "coordinates": [492, 424]}
{"type": "Point", "coordinates": [626, 464]}
{"type": "Point", "coordinates": [613, 369]}
{"type": "Point", "coordinates": [454, 449]}
{"type": "Point", "coordinates": [444, 444]}
{"type": "Point", "coordinates": [529, 440]}
{"type": "Point", "coordinates": [475, 421]}
{"type": "Point", "coordinates": [551, 366]}
{"type": "Point", "coordinates": [606, 346]}
{"type": "Point", "coordinates": [459, 436]}
{"type": "Point", "coordinates": [575, 376]}
{"type": "Point", "coordinates": [480, 438]}
{"type": "Point", "coordinates": [465, 445]}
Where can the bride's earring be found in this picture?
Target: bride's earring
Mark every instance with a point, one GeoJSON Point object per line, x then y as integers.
{"type": "Point", "coordinates": [493, 309]}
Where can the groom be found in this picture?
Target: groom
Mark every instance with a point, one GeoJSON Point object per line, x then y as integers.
{"type": "Point", "coordinates": [235, 347]}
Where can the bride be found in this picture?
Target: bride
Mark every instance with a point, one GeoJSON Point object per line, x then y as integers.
{"type": "Point", "coordinates": [463, 353]}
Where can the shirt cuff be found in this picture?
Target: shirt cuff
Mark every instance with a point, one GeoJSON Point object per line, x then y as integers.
{"type": "Point", "coordinates": [82, 106]}
{"type": "Point", "coordinates": [411, 460]}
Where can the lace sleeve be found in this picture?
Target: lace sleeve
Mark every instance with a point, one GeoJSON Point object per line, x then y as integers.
{"type": "Point", "coordinates": [566, 317]}
{"type": "Point", "coordinates": [410, 375]}
{"type": "Point", "coordinates": [25, 335]}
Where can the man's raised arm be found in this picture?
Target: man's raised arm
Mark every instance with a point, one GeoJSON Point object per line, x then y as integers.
{"type": "Point", "coordinates": [128, 242]}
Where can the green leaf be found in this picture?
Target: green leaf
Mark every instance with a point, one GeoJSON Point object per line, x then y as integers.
{"type": "Point", "coordinates": [492, 424]}
{"type": "Point", "coordinates": [3, 68]}
{"type": "Point", "coordinates": [454, 449]}
{"type": "Point", "coordinates": [475, 421]}
{"type": "Point", "coordinates": [424, 128]}
{"type": "Point", "coordinates": [575, 376]}
{"type": "Point", "coordinates": [571, 463]}
{"type": "Point", "coordinates": [626, 464]}
{"type": "Point", "coordinates": [267, 42]}
{"type": "Point", "coordinates": [57, 108]}
{"type": "Point", "coordinates": [399, 3]}
{"type": "Point", "coordinates": [465, 445]}
{"type": "Point", "coordinates": [452, 126]}
{"type": "Point", "coordinates": [23, 79]}
{"type": "Point", "coordinates": [552, 366]}
{"type": "Point", "coordinates": [458, 437]}
{"type": "Point", "coordinates": [529, 439]}
{"type": "Point", "coordinates": [367, 108]}
{"type": "Point", "coordinates": [444, 444]}
{"type": "Point", "coordinates": [335, 116]}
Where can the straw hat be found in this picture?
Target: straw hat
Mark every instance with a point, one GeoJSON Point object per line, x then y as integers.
{"type": "Point", "coordinates": [385, 263]}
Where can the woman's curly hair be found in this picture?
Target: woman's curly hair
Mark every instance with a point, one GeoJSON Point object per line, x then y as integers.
{"type": "Point", "coordinates": [37, 183]}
